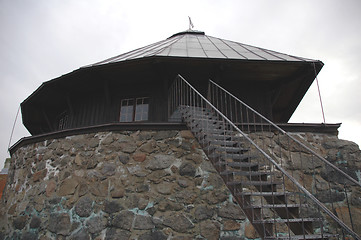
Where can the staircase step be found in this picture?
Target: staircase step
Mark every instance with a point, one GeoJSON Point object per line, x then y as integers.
{"type": "Point", "coordinates": [229, 143]}
{"type": "Point", "coordinates": [195, 108]}
{"type": "Point", "coordinates": [289, 220]}
{"type": "Point", "coordinates": [228, 149]}
{"type": "Point", "coordinates": [185, 108]}
{"type": "Point", "coordinates": [263, 194]}
{"type": "Point", "coordinates": [271, 197]}
{"type": "Point", "coordinates": [199, 117]}
{"type": "Point", "coordinates": [205, 125]}
{"type": "Point", "coordinates": [284, 211]}
{"type": "Point", "coordinates": [235, 157]}
{"type": "Point", "coordinates": [298, 226]}
{"type": "Point", "coordinates": [299, 237]}
{"type": "Point", "coordinates": [251, 175]}
{"type": "Point", "coordinates": [212, 131]}
{"type": "Point", "coordinates": [207, 135]}
{"type": "Point", "coordinates": [246, 173]}
{"type": "Point", "coordinates": [202, 116]}
{"type": "Point", "coordinates": [249, 165]}
{"type": "Point", "coordinates": [275, 206]}
{"type": "Point", "coordinates": [221, 137]}
{"type": "Point", "coordinates": [254, 183]}
{"type": "Point", "coordinates": [209, 121]}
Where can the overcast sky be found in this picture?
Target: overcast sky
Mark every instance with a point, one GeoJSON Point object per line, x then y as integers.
{"type": "Point", "coordinates": [44, 39]}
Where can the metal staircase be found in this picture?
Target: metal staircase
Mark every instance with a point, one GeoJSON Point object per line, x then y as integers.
{"type": "Point", "coordinates": [279, 203]}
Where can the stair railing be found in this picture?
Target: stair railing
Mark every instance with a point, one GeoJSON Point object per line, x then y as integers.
{"type": "Point", "coordinates": [182, 96]}
{"type": "Point", "coordinates": [333, 190]}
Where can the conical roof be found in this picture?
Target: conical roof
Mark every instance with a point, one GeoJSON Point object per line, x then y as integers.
{"type": "Point", "coordinates": [252, 73]}
{"type": "Point", "coordinates": [195, 44]}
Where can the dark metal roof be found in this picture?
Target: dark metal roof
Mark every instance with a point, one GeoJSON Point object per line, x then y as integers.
{"type": "Point", "coordinates": [195, 44]}
{"type": "Point", "coordinates": [193, 54]}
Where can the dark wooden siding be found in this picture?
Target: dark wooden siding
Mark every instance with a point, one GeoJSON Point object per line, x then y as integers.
{"type": "Point", "coordinates": [96, 108]}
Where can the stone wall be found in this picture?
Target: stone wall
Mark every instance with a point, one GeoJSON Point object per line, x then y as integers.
{"type": "Point", "coordinates": [118, 185]}
{"type": "Point", "coordinates": [313, 173]}
{"type": "Point", "coordinates": [135, 185]}
{"type": "Point", "coordinates": [3, 178]}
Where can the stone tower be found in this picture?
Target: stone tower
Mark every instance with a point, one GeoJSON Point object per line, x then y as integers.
{"type": "Point", "coordinates": [107, 161]}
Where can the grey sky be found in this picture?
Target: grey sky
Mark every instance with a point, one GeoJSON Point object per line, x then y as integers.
{"type": "Point", "coordinates": [42, 39]}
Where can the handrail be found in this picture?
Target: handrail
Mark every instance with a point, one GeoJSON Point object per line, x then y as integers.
{"type": "Point", "coordinates": [308, 194]}
{"type": "Point", "coordinates": [271, 160]}
{"type": "Point", "coordinates": [294, 139]}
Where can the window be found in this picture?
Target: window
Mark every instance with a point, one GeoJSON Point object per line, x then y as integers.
{"type": "Point", "coordinates": [141, 109]}
{"type": "Point", "coordinates": [126, 110]}
{"type": "Point", "coordinates": [63, 121]}
{"type": "Point", "coordinates": [134, 109]}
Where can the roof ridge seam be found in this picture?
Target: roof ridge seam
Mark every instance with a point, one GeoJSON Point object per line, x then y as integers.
{"type": "Point", "coordinates": [109, 60]}
{"type": "Point", "coordinates": [135, 51]}
{"type": "Point", "coordinates": [186, 45]}
{"type": "Point", "coordinates": [167, 44]}
{"type": "Point", "coordinates": [149, 47]}
{"type": "Point", "coordinates": [273, 51]}
{"type": "Point", "coordinates": [202, 46]}
{"type": "Point", "coordinates": [272, 54]}
{"type": "Point", "coordinates": [299, 58]}
{"type": "Point", "coordinates": [224, 41]}
{"type": "Point", "coordinates": [242, 45]}
{"type": "Point", "coordinates": [217, 47]}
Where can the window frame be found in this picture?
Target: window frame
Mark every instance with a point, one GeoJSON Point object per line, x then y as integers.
{"type": "Point", "coordinates": [63, 121]}
{"type": "Point", "coordinates": [131, 116]}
